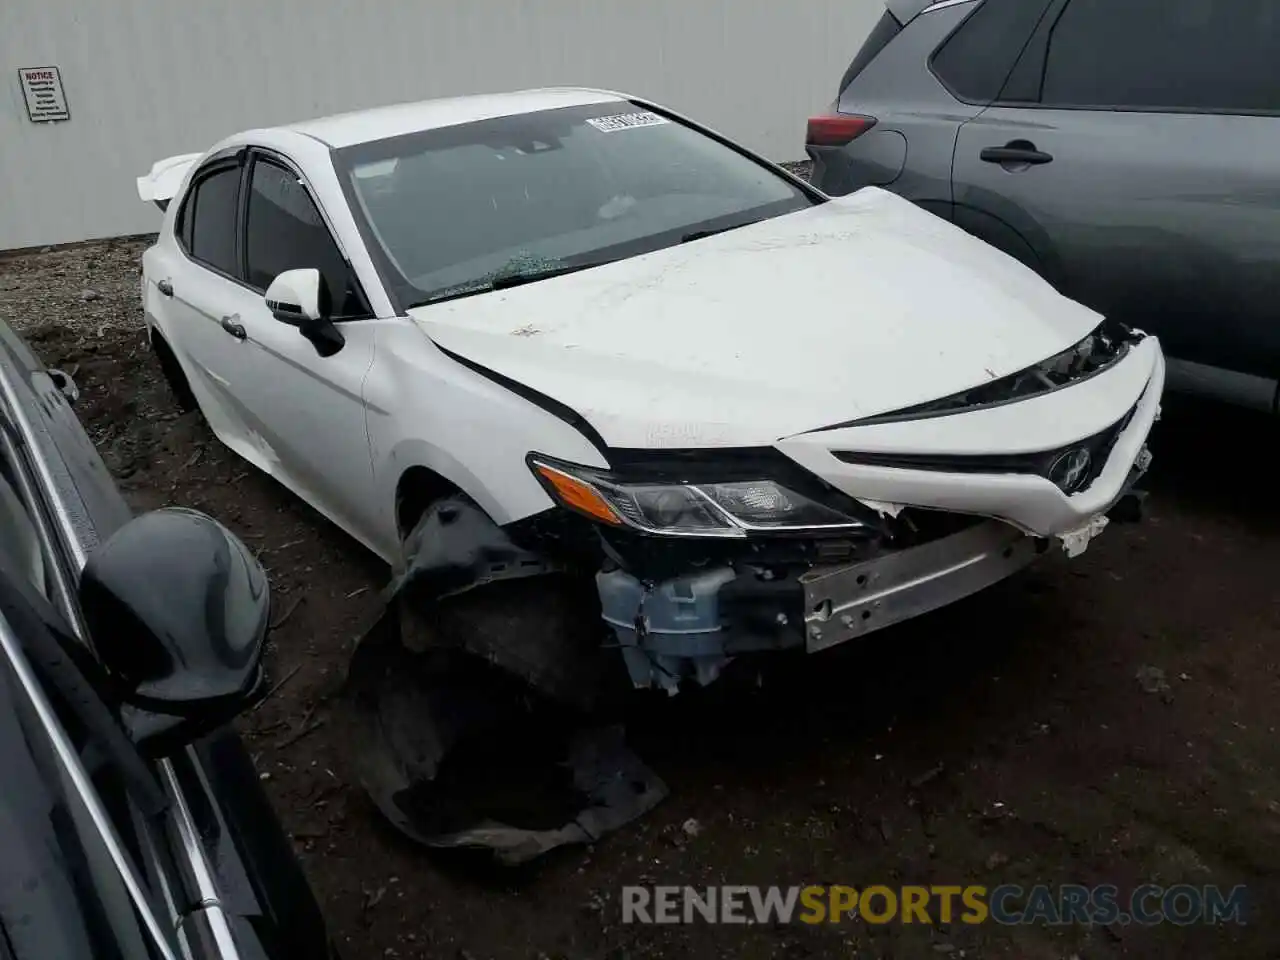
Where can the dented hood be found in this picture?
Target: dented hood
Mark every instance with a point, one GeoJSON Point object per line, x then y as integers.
{"type": "Point", "coordinates": [856, 307]}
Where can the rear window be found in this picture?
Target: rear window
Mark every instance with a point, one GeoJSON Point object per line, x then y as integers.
{"type": "Point", "coordinates": [974, 62]}
{"type": "Point", "coordinates": [886, 29]}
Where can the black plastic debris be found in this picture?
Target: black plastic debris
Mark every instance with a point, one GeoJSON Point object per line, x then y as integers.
{"type": "Point", "coordinates": [474, 698]}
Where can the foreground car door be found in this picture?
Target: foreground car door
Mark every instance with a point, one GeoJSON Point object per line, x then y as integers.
{"type": "Point", "coordinates": [48, 823]}
{"type": "Point", "coordinates": [1130, 148]}
{"type": "Point", "coordinates": [145, 879]}
{"type": "Point", "coordinates": [307, 410]}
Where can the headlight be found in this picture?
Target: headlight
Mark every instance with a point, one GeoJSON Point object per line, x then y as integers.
{"type": "Point", "coordinates": [731, 509]}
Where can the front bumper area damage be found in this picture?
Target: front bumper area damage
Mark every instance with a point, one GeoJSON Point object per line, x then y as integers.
{"type": "Point", "coordinates": [945, 462]}
{"type": "Point", "coordinates": [957, 515]}
{"type": "Point", "coordinates": [689, 628]}
{"type": "Point", "coordinates": [486, 694]}
{"type": "Point", "coordinates": [473, 697]}
{"type": "Point", "coordinates": [850, 601]}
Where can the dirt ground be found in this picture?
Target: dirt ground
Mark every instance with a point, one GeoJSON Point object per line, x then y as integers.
{"type": "Point", "coordinates": [1019, 737]}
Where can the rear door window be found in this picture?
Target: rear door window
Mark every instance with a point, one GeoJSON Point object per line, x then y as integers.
{"type": "Point", "coordinates": [212, 215]}
{"type": "Point", "coordinates": [1185, 55]}
{"type": "Point", "coordinates": [974, 62]}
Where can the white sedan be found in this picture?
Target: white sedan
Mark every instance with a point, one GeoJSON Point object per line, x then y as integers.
{"type": "Point", "coordinates": [758, 417]}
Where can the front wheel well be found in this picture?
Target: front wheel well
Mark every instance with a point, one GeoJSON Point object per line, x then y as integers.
{"type": "Point", "coordinates": [417, 489]}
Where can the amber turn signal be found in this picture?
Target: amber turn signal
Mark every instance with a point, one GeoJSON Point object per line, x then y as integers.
{"type": "Point", "coordinates": [578, 495]}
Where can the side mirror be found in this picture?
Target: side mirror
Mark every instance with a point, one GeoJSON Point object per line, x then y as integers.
{"type": "Point", "coordinates": [300, 298]}
{"type": "Point", "coordinates": [66, 386]}
{"type": "Point", "coordinates": [294, 296]}
{"type": "Point", "coordinates": [177, 608]}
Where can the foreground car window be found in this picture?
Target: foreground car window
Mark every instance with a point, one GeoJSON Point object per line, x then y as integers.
{"type": "Point", "coordinates": [450, 210]}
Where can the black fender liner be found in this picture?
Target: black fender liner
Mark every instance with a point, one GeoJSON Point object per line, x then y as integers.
{"type": "Point", "coordinates": [474, 693]}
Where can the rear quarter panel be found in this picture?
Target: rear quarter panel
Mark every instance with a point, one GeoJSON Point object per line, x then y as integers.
{"type": "Point", "coordinates": [910, 148]}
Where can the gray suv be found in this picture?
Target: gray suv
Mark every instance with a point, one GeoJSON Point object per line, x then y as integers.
{"type": "Point", "coordinates": [1126, 150]}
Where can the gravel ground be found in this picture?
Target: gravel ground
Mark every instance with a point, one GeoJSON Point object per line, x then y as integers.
{"type": "Point", "coordinates": [1110, 719]}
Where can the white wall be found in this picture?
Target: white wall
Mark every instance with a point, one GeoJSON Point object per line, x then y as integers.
{"type": "Point", "coordinates": [148, 78]}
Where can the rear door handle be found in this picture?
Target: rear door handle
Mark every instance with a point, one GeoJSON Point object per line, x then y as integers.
{"type": "Point", "coordinates": [232, 325]}
{"type": "Point", "coordinates": [1017, 152]}
{"type": "Point", "coordinates": [165, 287]}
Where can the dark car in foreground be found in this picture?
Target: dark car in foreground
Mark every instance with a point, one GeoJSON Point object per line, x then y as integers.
{"type": "Point", "coordinates": [132, 822]}
{"type": "Point", "coordinates": [1124, 149]}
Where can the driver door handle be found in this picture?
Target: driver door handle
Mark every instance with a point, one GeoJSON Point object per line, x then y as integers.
{"type": "Point", "coordinates": [165, 288]}
{"type": "Point", "coordinates": [231, 324]}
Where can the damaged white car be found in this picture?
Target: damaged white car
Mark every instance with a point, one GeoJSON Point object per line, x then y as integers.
{"type": "Point", "coordinates": [572, 331]}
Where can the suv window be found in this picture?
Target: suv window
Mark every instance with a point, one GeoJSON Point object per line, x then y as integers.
{"type": "Point", "coordinates": [1165, 54]}
{"type": "Point", "coordinates": [977, 58]}
{"type": "Point", "coordinates": [212, 213]}
{"type": "Point", "coordinates": [285, 231]}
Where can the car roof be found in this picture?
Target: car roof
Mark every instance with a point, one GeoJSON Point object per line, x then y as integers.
{"type": "Point", "coordinates": [378, 123]}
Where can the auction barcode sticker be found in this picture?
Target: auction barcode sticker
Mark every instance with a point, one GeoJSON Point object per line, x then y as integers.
{"type": "Point", "coordinates": [627, 121]}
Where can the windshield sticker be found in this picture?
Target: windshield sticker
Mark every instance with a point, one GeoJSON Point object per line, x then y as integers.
{"type": "Point", "coordinates": [627, 121]}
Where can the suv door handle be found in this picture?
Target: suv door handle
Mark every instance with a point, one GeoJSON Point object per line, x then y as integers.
{"type": "Point", "coordinates": [165, 287]}
{"type": "Point", "coordinates": [1014, 153]}
{"type": "Point", "coordinates": [232, 326]}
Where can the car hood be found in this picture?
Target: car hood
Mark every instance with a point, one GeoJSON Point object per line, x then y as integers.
{"type": "Point", "coordinates": [855, 307]}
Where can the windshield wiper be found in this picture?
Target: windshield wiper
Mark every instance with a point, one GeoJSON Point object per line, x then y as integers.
{"type": "Point", "coordinates": [504, 280]}
{"type": "Point", "coordinates": [516, 279]}
{"type": "Point", "coordinates": [703, 234]}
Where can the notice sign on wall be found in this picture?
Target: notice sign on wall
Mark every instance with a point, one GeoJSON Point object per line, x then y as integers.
{"type": "Point", "coordinates": [42, 88]}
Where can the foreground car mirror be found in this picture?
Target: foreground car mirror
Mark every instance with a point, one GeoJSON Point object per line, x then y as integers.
{"type": "Point", "coordinates": [66, 386]}
{"type": "Point", "coordinates": [177, 608]}
{"type": "Point", "coordinates": [300, 298]}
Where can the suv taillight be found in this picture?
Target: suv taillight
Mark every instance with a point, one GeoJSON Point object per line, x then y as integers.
{"type": "Point", "coordinates": [836, 129]}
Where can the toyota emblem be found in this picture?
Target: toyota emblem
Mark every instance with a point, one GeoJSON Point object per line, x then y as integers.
{"type": "Point", "coordinates": [1071, 469]}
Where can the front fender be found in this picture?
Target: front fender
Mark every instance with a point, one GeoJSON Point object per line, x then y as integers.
{"type": "Point", "coordinates": [502, 506]}
{"type": "Point", "coordinates": [437, 413]}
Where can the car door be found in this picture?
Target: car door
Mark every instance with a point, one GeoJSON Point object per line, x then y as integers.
{"type": "Point", "coordinates": [1134, 149]}
{"type": "Point", "coordinates": [76, 878]}
{"type": "Point", "coordinates": [240, 882]}
{"type": "Point", "coordinates": [306, 410]}
{"type": "Point", "coordinates": [65, 893]}
{"type": "Point", "coordinates": [197, 287]}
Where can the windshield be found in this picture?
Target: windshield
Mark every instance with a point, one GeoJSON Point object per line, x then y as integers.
{"type": "Point", "coordinates": [468, 208]}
